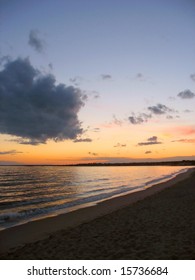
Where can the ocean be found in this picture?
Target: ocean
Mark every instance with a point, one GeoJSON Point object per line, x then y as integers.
{"type": "Point", "coordinates": [35, 192]}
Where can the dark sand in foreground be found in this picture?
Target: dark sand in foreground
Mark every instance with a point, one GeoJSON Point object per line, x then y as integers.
{"type": "Point", "coordinates": [155, 225]}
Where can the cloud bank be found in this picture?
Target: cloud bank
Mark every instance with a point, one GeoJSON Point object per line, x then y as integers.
{"type": "Point", "coordinates": [34, 108]}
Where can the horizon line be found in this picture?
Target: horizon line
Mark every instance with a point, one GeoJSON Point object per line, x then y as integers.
{"type": "Point", "coordinates": [172, 162]}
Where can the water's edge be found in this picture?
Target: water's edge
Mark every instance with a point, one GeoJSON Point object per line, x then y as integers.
{"type": "Point", "coordinates": [10, 219]}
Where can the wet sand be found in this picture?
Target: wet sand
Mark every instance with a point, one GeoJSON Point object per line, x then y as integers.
{"type": "Point", "coordinates": [157, 223]}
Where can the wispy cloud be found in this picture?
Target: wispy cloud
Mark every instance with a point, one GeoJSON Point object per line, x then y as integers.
{"type": "Point", "coordinates": [181, 130]}
{"type": "Point", "coordinates": [50, 65]}
{"type": "Point", "coordinates": [106, 76]}
{"type": "Point", "coordinates": [119, 145]}
{"type": "Point", "coordinates": [192, 76]}
{"type": "Point", "coordinates": [156, 110]}
{"type": "Point", "coordinates": [185, 130]}
{"type": "Point", "coordinates": [82, 140]}
{"type": "Point", "coordinates": [93, 154]}
{"type": "Point", "coordinates": [95, 129]}
{"type": "Point", "coordinates": [160, 109]}
{"type": "Point", "coordinates": [150, 141]}
{"type": "Point", "coordinates": [117, 121]}
{"type": "Point", "coordinates": [33, 142]}
{"type": "Point", "coordinates": [188, 141]}
{"type": "Point", "coordinates": [148, 152]}
{"type": "Point", "coordinates": [169, 117]}
{"type": "Point", "coordinates": [76, 81]}
{"type": "Point", "coordinates": [11, 152]}
{"type": "Point", "coordinates": [35, 41]}
{"type": "Point", "coordinates": [141, 118]}
{"type": "Point", "coordinates": [153, 138]}
{"type": "Point", "coordinates": [91, 94]}
{"type": "Point", "coordinates": [186, 94]}
{"type": "Point", "coordinates": [139, 76]}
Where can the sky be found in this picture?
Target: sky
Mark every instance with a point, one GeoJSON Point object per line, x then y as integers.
{"type": "Point", "coordinates": [96, 81]}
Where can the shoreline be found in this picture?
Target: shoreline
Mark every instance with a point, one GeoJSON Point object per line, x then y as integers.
{"type": "Point", "coordinates": [33, 231]}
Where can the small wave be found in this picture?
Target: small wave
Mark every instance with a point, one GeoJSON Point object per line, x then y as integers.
{"type": "Point", "coordinates": [15, 217]}
{"type": "Point", "coordinates": [10, 217]}
{"type": "Point", "coordinates": [165, 177]}
{"type": "Point", "coordinates": [155, 181]}
{"type": "Point", "coordinates": [103, 179]}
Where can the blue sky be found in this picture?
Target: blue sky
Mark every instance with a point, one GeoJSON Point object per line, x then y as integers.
{"type": "Point", "coordinates": [126, 56]}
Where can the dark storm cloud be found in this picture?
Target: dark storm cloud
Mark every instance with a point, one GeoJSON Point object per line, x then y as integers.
{"type": "Point", "coordinates": [150, 141]}
{"type": "Point", "coordinates": [5, 59]}
{"type": "Point", "coordinates": [36, 42]}
{"type": "Point", "coordinates": [34, 108]}
{"type": "Point", "coordinates": [106, 76]}
{"type": "Point", "coordinates": [159, 109]}
{"type": "Point", "coordinates": [186, 94]}
{"type": "Point", "coordinates": [83, 140]}
{"type": "Point", "coordinates": [141, 118]}
{"type": "Point", "coordinates": [11, 152]}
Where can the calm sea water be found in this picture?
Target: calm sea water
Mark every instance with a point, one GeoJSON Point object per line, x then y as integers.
{"type": "Point", "coordinates": [28, 193]}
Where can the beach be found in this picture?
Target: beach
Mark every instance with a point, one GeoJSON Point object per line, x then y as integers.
{"type": "Point", "coordinates": [156, 223]}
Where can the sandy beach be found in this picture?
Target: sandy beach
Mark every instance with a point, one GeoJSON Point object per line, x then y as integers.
{"type": "Point", "coordinates": [157, 223]}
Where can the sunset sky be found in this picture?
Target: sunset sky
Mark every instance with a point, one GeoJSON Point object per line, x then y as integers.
{"type": "Point", "coordinates": [96, 81]}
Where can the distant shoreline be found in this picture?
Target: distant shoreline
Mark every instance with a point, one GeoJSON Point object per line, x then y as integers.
{"type": "Point", "coordinates": [152, 163]}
